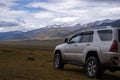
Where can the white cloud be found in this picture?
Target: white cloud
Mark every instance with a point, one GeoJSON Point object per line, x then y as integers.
{"type": "Point", "coordinates": [63, 5]}
{"type": "Point", "coordinates": [1, 29]}
{"type": "Point", "coordinates": [58, 11]}
{"type": "Point", "coordinates": [112, 11]}
{"type": "Point", "coordinates": [7, 3]}
{"type": "Point", "coordinates": [6, 13]}
{"type": "Point", "coordinates": [104, 0]}
{"type": "Point", "coordinates": [65, 19]}
{"type": "Point", "coordinates": [9, 15]}
{"type": "Point", "coordinates": [41, 15]}
{"type": "Point", "coordinates": [68, 10]}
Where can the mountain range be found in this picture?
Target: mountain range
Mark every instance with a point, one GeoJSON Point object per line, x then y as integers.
{"type": "Point", "coordinates": [55, 31]}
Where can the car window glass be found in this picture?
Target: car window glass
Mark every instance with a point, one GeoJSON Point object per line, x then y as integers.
{"type": "Point", "coordinates": [119, 35]}
{"type": "Point", "coordinates": [90, 37]}
{"type": "Point", "coordinates": [75, 39]}
{"type": "Point", "coordinates": [105, 35]}
{"type": "Point", "coordinates": [87, 38]}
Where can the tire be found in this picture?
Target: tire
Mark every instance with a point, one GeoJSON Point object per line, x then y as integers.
{"type": "Point", "coordinates": [93, 67]}
{"type": "Point", "coordinates": [58, 63]}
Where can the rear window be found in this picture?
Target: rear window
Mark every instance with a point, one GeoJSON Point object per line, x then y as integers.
{"type": "Point", "coordinates": [105, 35]}
{"type": "Point", "coordinates": [119, 35]}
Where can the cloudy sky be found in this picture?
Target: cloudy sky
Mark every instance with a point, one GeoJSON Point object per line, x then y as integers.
{"type": "Point", "coordinates": [26, 15]}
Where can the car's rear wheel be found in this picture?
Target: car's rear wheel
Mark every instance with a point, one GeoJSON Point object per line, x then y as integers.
{"type": "Point", "coordinates": [93, 68]}
{"type": "Point", "coordinates": [58, 63]}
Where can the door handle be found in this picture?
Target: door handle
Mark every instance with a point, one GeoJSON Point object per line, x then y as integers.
{"type": "Point", "coordinates": [75, 45]}
{"type": "Point", "coordinates": [88, 45]}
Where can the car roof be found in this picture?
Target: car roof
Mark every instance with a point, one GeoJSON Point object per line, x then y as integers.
{"type": "Point", "coordinates": [99, 28]}
{"type": "Point", "coordinates": [90, 30]}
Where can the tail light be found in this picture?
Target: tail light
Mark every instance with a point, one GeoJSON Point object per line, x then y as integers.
{"type": "Point", "coordinates": [114, 46]}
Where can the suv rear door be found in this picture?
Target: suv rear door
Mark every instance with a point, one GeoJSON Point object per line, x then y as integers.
{"type": "Point", "coordinates": [86, 40]}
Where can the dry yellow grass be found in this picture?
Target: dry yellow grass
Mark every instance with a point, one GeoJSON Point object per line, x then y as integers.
{"type": "Point", "coordinates": [14, 65]}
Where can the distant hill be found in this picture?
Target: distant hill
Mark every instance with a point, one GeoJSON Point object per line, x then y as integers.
{"type": "Point", "coordinates": [55, 31]}
{"type": "Point", "coordinates": [11, 35]}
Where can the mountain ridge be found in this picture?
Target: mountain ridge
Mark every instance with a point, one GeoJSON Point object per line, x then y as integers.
{"type": "Point", "coordinates": [55, 31]}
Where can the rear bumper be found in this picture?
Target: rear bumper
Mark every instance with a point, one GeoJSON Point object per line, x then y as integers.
{"type": "Point", "coordinates": [111, 59]}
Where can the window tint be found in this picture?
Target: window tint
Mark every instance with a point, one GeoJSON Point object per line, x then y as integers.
{"type": "Point", "coordinates": [119, 35]}
{"type": "Point", "coordinates": [91, 38]}
{"type": "Point", "coordinates": [75, 39]}
{"type": "Point", "coordinates": [87, 37]}
{"type": "Point", "coordinates": [105, 35]}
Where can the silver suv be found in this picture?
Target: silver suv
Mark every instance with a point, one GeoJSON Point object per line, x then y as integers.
{"type": "Point", "coordinates": [96, 50]}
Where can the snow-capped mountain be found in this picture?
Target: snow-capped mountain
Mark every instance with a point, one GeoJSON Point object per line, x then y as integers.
{"type": "Point", "coordinates": [56, 31]}
{"type": "Point", "coordinates": [59, 25]}
{"type": "Point", "coordinates": [99, 22]}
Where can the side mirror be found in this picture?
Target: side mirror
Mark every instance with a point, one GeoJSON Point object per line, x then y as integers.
{"type": "Point", "coordinates": [66, 40]}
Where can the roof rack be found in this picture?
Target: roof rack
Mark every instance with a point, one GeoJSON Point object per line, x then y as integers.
{"type": "Point", "coordinates": [102, 27]}
{"type": "Point", "coordinates": [98, 27]}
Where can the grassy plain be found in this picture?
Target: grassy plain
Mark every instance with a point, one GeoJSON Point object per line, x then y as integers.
{"type": "Point", "coordinates": [14, 64]}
